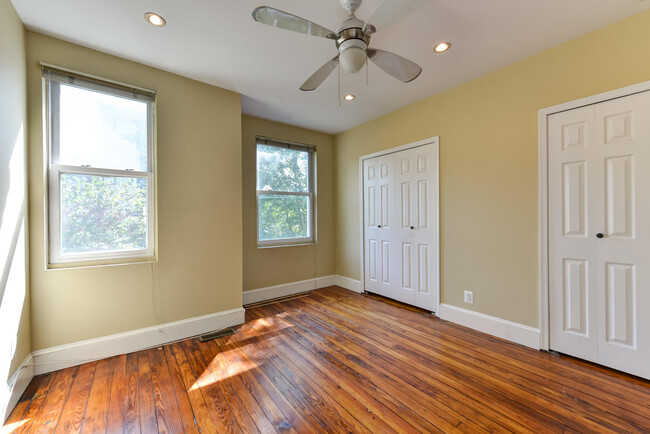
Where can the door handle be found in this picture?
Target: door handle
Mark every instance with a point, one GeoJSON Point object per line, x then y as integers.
{"type": "Point", "coordinates": [599, 235]}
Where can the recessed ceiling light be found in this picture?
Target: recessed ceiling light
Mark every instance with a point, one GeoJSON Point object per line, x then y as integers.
{"type": "Point", "coordinates": [349, 97]}
{"type": "Point", "coordinates": [155, 19]}
{"type": "Point", "coordinates": [442, 47]}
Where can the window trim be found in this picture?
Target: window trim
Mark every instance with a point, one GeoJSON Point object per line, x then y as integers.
{"type": "Point", "coordinates": [54, 257]}
{"type": "Point", "coordinates": [311, 194]}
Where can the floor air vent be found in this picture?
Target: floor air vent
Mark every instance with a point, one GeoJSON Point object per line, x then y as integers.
{"type": "Point", "coordinates": [219, 334]}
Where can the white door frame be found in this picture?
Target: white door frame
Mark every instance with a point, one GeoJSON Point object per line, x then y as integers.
{"type": "Point", "coordinates": [542, 123]}
{"type": "Point", "coordinates": [435, 141]}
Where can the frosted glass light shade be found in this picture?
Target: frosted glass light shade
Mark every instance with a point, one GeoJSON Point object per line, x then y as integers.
{"type": "Point", "coordinates": [352, 59]}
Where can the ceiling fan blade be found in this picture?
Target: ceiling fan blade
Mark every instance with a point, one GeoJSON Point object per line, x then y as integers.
{"type": "Point", "coordinates": [402, 69]}
{"type": "Point", "coordinates": [391, 11]}
{"type": "Point", "coordinates": [284, 20]}
{"type": "Point", "coordinates": [320, 75]}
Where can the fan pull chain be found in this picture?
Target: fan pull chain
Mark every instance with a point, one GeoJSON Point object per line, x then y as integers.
{"type": "Point", "coordinates": [339, 89]}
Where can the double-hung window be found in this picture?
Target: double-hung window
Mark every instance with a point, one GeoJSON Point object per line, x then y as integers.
{"type": "Point", "coordinates": [100, 169]}
{"type": "Point", "coordinates": [285, 193]}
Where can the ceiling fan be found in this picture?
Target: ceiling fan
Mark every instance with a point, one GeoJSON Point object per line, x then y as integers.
{"type": "Point", "coordinates": [352, 38]}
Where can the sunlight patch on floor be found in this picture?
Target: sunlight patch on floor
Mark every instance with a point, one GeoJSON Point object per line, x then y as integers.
{"type": "Point", "coordinates": [14, 426]}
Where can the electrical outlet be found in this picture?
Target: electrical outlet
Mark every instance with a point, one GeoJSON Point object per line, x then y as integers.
{"type": "Point", "coordinates": [469, 297]}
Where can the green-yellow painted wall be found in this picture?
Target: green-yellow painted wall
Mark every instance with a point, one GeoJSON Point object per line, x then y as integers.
{"type": "Point", "coordinates": [273, 266]}
{"type": "Point", "coordinates": [199, 209]}
{"type": "Point", "coordinates": [15, 343]}
{"type": "Point", "coordinates": [488, 163]}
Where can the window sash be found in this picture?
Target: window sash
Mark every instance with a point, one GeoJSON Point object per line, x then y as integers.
{"type": "Point", "coordinates": [55, 170]}
{"type": "Point", "coordinates": [311, 150]}
{"type": "Point", "coordinates": [288, 241]}
{"type": "Point", "coordinates": [56, 255]}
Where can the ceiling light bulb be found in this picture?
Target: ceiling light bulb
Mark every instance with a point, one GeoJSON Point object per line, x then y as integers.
{"type": "Point", "coordinates": [442, 47]}
{"type": "Point", "coordinates": [155, 19]}
{"type": "Point", "coordinates": [352, 55]}
{"type": "Point", "coordinates": [349, 97]}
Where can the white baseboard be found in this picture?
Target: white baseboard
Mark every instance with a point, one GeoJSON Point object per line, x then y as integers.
{"type": "Point", "coordinates": [15, 387]}
{"type": "Point", "coordinates": [501, 328]}
{"type": "Point", "coordinates": [64, 356]}
{"type": "Point", "coordinates": [347, 283]}
{"type": "Point", "coordinates": [271, 292]}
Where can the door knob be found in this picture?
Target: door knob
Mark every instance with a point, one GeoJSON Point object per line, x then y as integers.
{"type": "Point", "coordinates": [412, 227]}
{"type": "Point", "coordinates": [599, 235]}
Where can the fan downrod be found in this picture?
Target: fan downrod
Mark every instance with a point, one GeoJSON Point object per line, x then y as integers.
{"type": "Point", "coordinates": [350, 5]}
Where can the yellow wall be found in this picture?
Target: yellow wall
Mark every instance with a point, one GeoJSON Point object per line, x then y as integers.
{"type": "Point", "coordinates": [273, 266]}
{"type": "Point", "coordinates": [488, 163]}
{"type": "Point", "coordinates": [15, 342]}
{"type": "Point", "coordinates": [199, 210]}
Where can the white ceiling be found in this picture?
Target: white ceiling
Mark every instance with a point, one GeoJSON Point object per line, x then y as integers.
{"type": "Point", "coordinates": [217, 42]}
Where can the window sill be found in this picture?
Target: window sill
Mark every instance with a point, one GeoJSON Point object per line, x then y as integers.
{"type": "Point", "coordinates": [100, 263]}
{"type": "Point", "coordinates": [275, 246]}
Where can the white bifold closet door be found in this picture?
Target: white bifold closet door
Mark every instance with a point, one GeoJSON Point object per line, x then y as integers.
{"type": "Point", "coordinates": [399, 226]}
{"type": "Point", "coordinates": [599, 233]}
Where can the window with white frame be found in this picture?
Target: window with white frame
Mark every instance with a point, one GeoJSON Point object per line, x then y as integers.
{"type": "Point", "coordinates": [100, 169]}
{"type": "Point", "coordinates": [285, 193]}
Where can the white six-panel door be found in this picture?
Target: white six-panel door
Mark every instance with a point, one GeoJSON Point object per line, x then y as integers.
{"type": "Point", "coordinates": [599, 233]}
{"type": "Point", "coordinates": [400, 222]}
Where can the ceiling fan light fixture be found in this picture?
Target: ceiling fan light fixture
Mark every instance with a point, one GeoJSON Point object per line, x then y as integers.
{"type": "Point", "coordinates": [349, 97]}
{"type": "Point", "coordinates": [442, 47]}
{"type": "Point", "coordinates": [154, 19]}
{"type": "Point", "coordinates": [352, 55]}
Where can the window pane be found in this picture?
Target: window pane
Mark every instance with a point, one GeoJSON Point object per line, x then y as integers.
{"type": "Point", "coordinates": [100, 213]}
{"type": "Point", "coordinates": [282, 217]}
{"type": "Point", "coordinates": [101, 130]}
{"type": "Point", "coordinates": [281, 169]}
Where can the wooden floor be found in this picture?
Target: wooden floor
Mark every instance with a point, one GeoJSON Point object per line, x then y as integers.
{"type": "Point", "coordinates": [335, 361]}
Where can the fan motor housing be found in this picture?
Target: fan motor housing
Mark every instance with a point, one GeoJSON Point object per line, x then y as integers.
{"type": "Point", "coordinates": [353, 33]}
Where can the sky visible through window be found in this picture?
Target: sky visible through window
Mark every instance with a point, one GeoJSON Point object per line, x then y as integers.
{"type": "Point", "coordinates": [102, 130]}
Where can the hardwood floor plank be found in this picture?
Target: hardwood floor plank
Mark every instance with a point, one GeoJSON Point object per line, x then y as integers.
{"type": "Point", "coordinates": [40, 387]}
{"type": "Point", "coordinates": [240, 369]}
{"type": "Point", "coordinates": [132, 395]}
{"type": "Point", "coordinates": [167, 413]}
{"type": "Point", "coordinates": [226, 374]}
{"type": "Point", "coordinates": [116, 406]}
{"type": "Point", "coordinates": [185, 406]}
{"type": "Point", "coordinates": [214, 399]}
{"type": "Point", "coordinates": [336, 361]}
{"type": "Point", "coordinates": [21, 417]}
{"type": "Point", "coordinates": [183, 370]}
{"type": "Point", "coordinates": [297, 419]}
{"type": "Point", "coordinates": [50, 411]}
{"type": "Point", "coordinates": [96, 418]}
{"type": "Point", "coordinates": [211, 379]}
{"type": "Point", "coordinates": [74, 409]}
{"type": "Point", "coordinates": [148, 421]}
